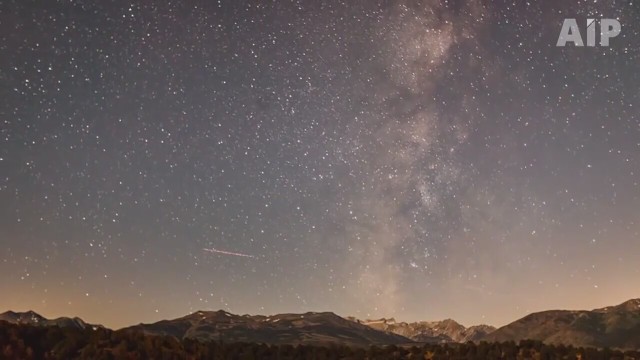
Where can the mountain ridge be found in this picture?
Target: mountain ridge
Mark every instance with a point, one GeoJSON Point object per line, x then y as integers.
{"type": "Point", "coordinates": [30, 317]}
{"type": "Point", "coordinates": [307, 328]}
{"type": "Point", "coordinates": [443, 331]}
{"type": "Point", "coordinates": [613, 326]}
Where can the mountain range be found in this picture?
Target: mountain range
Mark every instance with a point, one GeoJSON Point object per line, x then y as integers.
{"type": "Point", "coordinates": [614, 326]}
{"type": "Point", "coordinates": [445, 331]}
{"type": "Point", "coordinates": [35, 319]}
{"type": "Point", "coordinates": [308, 328]}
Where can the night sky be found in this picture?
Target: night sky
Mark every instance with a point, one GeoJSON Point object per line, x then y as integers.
{"type": "Point", "coordinates": [419, 160]}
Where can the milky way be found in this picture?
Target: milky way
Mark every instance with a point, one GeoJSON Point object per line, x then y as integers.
{"type": "Point", "coordinates": [415, 159]}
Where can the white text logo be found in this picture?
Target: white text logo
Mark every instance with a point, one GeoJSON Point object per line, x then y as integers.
{"type": "Point", "coordinates": [609, 28]}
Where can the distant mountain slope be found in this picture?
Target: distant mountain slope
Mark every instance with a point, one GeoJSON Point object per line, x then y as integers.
{"type": "Point", "coordinates": [308, 328]}
{"type": "Point", "coordinates": [33, 318]}
{"type": "Point", "coordinates": [431, 331]}
{"type": "Point", "coordinates": [615, 326]}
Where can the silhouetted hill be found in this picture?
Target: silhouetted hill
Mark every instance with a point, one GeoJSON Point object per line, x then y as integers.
{"type": "Point", "coordinates": [308, 328]}
{"type": "Point", "coordinates": [615, 326]}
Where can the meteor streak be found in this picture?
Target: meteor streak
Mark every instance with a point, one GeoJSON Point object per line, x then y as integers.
{"type": "Point", "coordinates": [213, 250]}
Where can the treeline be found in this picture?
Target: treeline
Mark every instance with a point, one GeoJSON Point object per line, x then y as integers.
{"type": "Point", "coordinates": [30, 342]}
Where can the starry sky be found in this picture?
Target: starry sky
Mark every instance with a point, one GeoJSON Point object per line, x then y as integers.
{"type": "Point", "coordinates": [411, 159]}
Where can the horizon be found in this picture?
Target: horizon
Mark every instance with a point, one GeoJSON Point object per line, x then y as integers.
{"type": "Point", "coordinates": [408, 159]}
{"type": "Point", "coordinates": [312, 311]}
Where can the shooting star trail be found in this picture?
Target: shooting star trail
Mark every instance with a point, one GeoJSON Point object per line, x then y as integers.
{"type": "Point", "coordinates": [213, 250]}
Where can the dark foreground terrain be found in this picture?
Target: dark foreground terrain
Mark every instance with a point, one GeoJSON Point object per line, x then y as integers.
{"type": "Point", "coordinates": [21, 341]}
